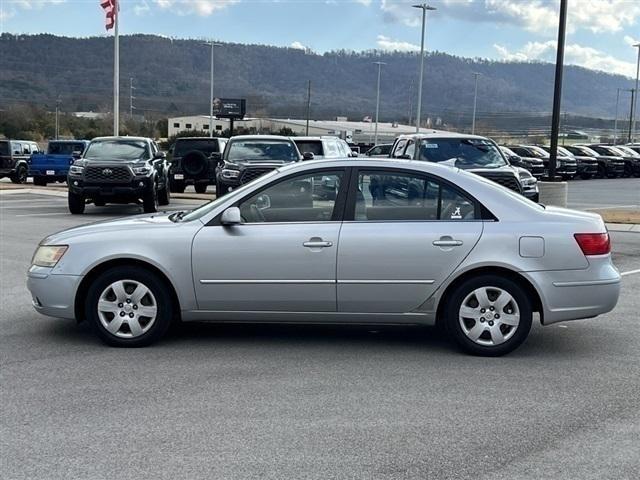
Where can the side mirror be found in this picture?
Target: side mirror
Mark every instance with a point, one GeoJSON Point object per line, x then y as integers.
{"type": "Point", "coordinates": [307, 156]}
{"type": "Point", "coordinates": [354, 154]}
{"type": "Point", "coordinates": [215, 156]}
{"type": "Point", "coordinates": [76, 154]}
{"type": "Point", "coordinates": [159, 156]}
{"type": "Point", "coordinates": [231, 216]}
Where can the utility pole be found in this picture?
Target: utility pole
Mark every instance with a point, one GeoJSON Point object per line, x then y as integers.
{"type": "Point", "coordinates": [213, 45]}
{"type": "Point", "coordinates": [131, 97]}
{"type": "Point", "coordinates": [633, 98]}
{"type": "Point", "coordinates": [375, 135]}
{"type": "Point", "coordinates": [475, 101]}
{"type": "Point", "coordinates": [116, 73]}
{"type": "Point", "coordinates": [635, 102]}
{"type": "Point", "coordinates": [424, 7]}
{"type": "Point", "coordinates": [308, 106]}
{"type": "Point", "coordinates": [58, 102]}
{"type": "Point", "coordinates": [557, 91]}
{"type": "Point", "coordinates": [615, 121]}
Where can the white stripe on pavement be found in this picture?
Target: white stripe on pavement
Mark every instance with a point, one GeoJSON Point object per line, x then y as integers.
{"type": "Point", "coordinates": [630, 272]}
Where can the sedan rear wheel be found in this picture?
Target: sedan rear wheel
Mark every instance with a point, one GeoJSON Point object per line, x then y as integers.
{"type": "Point", "coordinates": [489, 315]}
{"type": "Point", "coordinates": [129, 307]}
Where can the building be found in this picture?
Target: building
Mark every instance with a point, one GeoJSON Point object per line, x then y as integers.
{"type": "Point", "coordinates": [354, 132]}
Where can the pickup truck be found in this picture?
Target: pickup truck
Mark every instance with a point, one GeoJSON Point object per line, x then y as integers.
{"type": "Point", "coordinates": [53, 166]}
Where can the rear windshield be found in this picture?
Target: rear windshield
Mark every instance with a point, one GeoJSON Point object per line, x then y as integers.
{"type": "Point", "coordinates": [4, 148]}
{"type": "Point", "coordinates": [262, 150]}
{"type": "Point", "coordinates": [125, 150]}
{"type": "Point", "coordinates": [64, 148]}
{"type": "Point", "coordinates": [461, 152]}
{"type": "Point", "coordinates": [310, 146]}
{"type": "Point", "coordinates": [205, 146]}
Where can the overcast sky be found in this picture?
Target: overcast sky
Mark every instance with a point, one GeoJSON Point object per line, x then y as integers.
{"type": "Point", "coordinates": [600, 32]}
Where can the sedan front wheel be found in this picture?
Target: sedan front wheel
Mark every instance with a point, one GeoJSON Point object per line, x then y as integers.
{"type": "Point", "coordinates": [129, 307]}
{"type": "Point", "coordinates": [488, 315]}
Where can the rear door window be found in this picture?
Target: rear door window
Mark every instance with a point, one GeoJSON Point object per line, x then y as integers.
{"type": "Point", "coordinates": [399, 148]}
{"type": "Point", "coordinates": [310, 146]}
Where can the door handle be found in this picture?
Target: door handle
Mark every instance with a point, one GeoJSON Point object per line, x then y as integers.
{"type": "Point", "coordinates": [316, 242]}
{"type": "Point", "coordinates": [449, 242]}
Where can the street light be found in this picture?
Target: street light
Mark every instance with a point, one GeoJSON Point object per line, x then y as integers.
{"type": "Point", "coordinates": [375, 135]}
{"type": "Point", "coordinates": [424, 7]}
{"type": "Point", "coordinates": [635, 101]}
{"type": "Point", "coordinates": [212, 44]}
{"type": "Point", "coordinates": [475, 100]}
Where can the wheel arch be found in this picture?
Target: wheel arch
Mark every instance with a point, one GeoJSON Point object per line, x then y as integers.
{"type": "Point", "coordinates": [522, 281]}
{"type": "Point", "coordinates": [100, 268]}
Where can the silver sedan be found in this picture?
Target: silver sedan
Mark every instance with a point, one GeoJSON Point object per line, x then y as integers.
{"type": "Point", "coordinates": [341, 241]}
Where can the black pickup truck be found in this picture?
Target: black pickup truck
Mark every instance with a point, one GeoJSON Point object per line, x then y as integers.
{"type": "Point", "coordinates": [119, 170]}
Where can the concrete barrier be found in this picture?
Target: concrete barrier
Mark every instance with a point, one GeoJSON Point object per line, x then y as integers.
{"type": "Point", "coordinates": [553, 193]}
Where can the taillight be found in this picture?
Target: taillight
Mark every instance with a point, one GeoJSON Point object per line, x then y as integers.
{"type": "Point", "coordinates": [593, 243]}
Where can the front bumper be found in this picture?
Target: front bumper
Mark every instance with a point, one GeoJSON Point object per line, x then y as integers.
{"type": "Point", "coordinates": [134, 189]}
{"type": "Point", "coordinates": [587, 168]}
{"type": "Point", "coordinates": [44, 172]}
{"type": "Point", "coordinates": [51, 294]}
{"type": "Point", "coordinates": [577, 294]}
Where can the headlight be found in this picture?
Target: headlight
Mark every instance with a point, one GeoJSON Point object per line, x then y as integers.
{"type": "Point", "coordinates": [226, 173]}
{"type": "Point", "coordinates": [528, 181]}
{"type": "Point", "coordinates": [48, 255]}
{"type": "Point", "coordinates": [76, 169]}
{"type": "Point", "coordinates": [141, 170]}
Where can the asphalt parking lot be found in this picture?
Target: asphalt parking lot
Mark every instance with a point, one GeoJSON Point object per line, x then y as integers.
{"type": "Point", "coordinates": [299, 402]}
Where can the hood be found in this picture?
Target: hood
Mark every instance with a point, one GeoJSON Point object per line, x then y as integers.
{"type": "Point", "coordinates": [504, 169]}
{"type": "Point", "coordinates": [255, 162]}
{"type": "Point", "coordinates": [106, 162]}
{"type": "Point", "coordinates": [145, 221]}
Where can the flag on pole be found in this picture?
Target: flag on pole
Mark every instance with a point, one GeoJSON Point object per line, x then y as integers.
{"type": "Point", "coordinates": [111, 10]}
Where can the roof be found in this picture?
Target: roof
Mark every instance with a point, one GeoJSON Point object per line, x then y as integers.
{"type": "Point", "coordinates": [441, 134]}
{"type": "Point", "coordinates": [260, 137]}
{"type": "Point", "coordinates": [318, 138]}
{"type": "Point", "coordinates": [201, 138]}
{"type": "Point", "coordinates": [144, 139]}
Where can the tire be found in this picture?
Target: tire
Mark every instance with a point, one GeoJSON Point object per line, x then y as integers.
{"type": "Point", "coordinates": [221, 190]}
{"type": "Point", "coordinates": [200, 187]}
{"type": "Point", "coordinates": [150, 200]}
{"type": "Point", "coordinates": [20, 176]}
{"type": "Point", "coordinates": [164, 196]}
{"type": "Point", "coordinates": [40, 181]}
{"type": "Point", "coordinates": [176, 186]}
{"type": "Point", "coordinates": [76, 203]}
{"type": "Point", "coordinates": [194, 163]}
{"type": "Point", "coordinates": [106, 303]}
{"type": "Point", "coordinates": [628, 170]}
{"type": "Point", "coordinates": [479, 331]}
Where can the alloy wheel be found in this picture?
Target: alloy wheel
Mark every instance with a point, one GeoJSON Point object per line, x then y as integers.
{"type": "Point", "coordinates": [489, 316]}
{"type": "Point", "coordinates": [127, 309]}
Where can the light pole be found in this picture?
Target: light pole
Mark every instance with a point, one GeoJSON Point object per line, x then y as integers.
{"type": "Point", "coordinates": [615, 121]}
{"type": "Point", "coordinates": [375, 135]}
{"type": "Point", "coordinates": [213, 45]}
{"type": "Point", "coordinates": [475, 101]}
{"type": "Point", "coordinates": [58, 101]}
{"type": "Point", "coordinates": [635, 101]}
{"type": "Point", "coordinates": [424, 7]}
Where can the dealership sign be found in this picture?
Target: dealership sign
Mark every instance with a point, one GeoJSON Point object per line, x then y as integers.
{"type": "Point", "coordinates": [229, 107]}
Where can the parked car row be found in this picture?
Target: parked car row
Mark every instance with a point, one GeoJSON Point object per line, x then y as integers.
{"type": "Point", "coordinates": [584, 161]}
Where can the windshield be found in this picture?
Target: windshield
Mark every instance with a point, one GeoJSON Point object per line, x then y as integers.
{"type": "Point", "coordinates": [311, 146]}
{"type": "Point", "coordinates": [125, 150]}
{"type": "Point", "coordinates": [208, 207]}
{"type": "Point", "coordinates": [64, 148]}
{"type": "Point", "coordinates": [562, 152]}
{"type": "Point", "coordinates": [582, 151]}
{"type": "Point", "coordinates": [4, 148]}
{"type": "Point", "coordinates": [262, 150]}
{"type": "Point", "coordinates": [461, 152]}
{"type": "Point", "coordinates": [205, 145]}
{"type": "Point", "coordinates": [628, 151]}
{"type": "Point", "coordinates": [538, 152]}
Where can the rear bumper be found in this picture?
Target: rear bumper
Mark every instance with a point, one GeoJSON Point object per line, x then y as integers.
{"type": "Point", "coordinates": [577, 294]}
{"type": "Point", "coordinates": [52, 295]}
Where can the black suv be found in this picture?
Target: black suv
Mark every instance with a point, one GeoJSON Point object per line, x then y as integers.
{"type": "Point", "coordinates": [194, 161]}
{"type": "Point", "coordinates": [476, 154]}
{"type": "Point", "coordinates": [248, 157]}
{"type": "Point", "coordinates": [14, 158]}
{"type": "Point", "coordinates": [119, 170]}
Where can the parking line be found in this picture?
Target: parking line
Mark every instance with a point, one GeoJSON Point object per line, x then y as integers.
{"type": "Point", "coordinates": [630, 272]}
